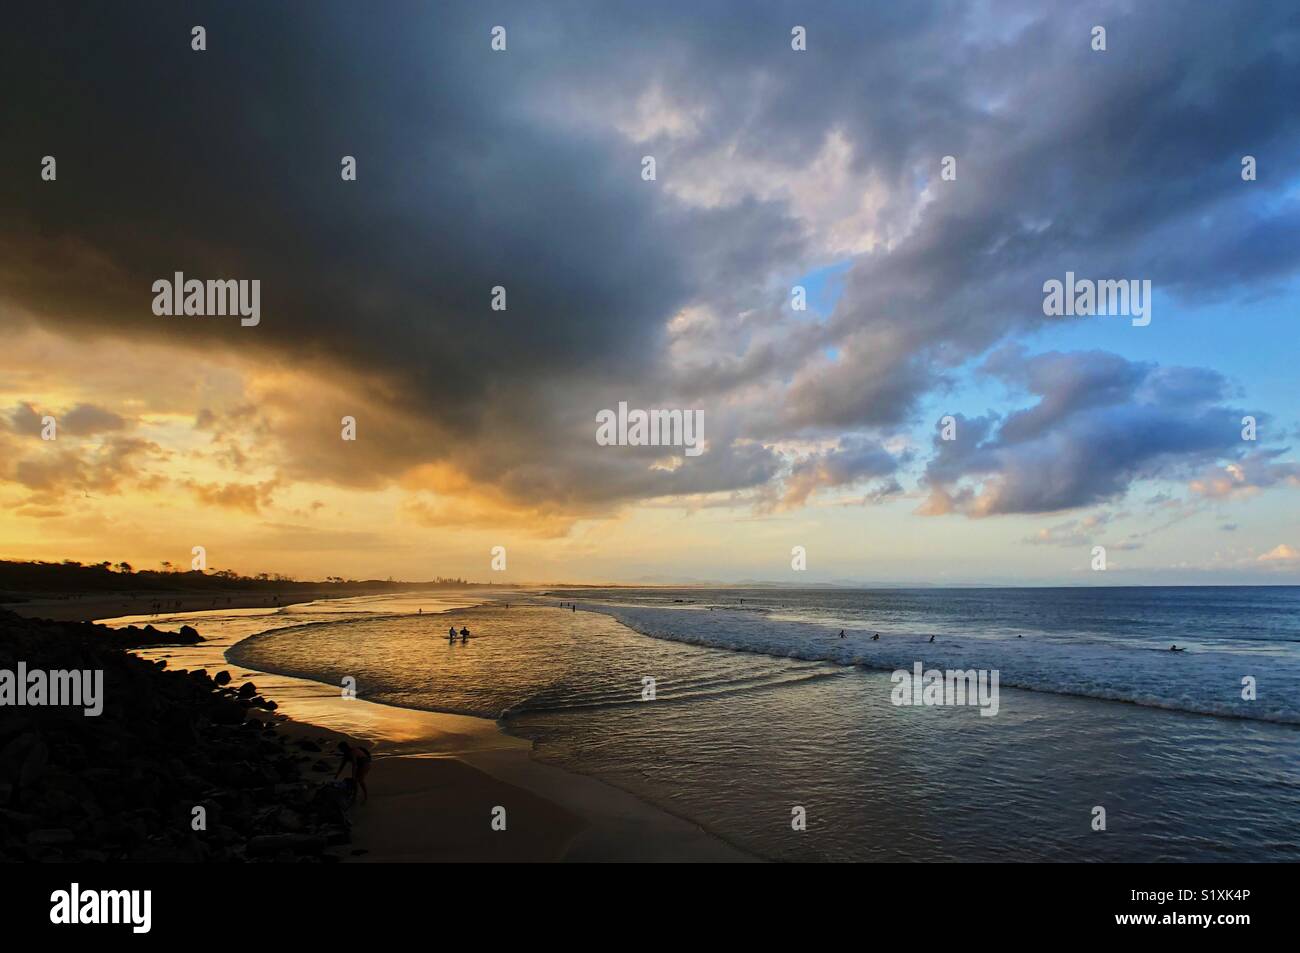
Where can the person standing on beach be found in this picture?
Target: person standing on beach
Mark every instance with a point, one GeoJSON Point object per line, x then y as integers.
{"type": "Point", "coordinates": [360, 760]}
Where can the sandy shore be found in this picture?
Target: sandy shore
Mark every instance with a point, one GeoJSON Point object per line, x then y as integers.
{"type": "Point", "coordinates": [438, 778]}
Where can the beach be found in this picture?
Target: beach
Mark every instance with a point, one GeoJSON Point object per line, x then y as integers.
{"type": "Point", "coordinates": [742, 711]}
{"type": "Point", "coordinates": [735, 725]}
{"type": "Point", "coordinates": [437, 776]}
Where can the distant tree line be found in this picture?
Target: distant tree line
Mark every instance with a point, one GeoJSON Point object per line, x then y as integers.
{"type": "Point", "coordinates": [72, 576]}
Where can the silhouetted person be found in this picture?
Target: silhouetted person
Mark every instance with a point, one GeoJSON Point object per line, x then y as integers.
{"type": "Point", "coordinates": [932, 638]}
{"type": "Point", "coordinates": [464, 634]}
{"type": "Point", "coordinates": [841, 633]}
{"type": "Point", "coordinates": [451, 635]}
{"type": "Point", "coordinates": [360, 760]}
{"type": "Point", "coordinates": [876, 637]}
{"type": "Point", "coordinates": [1174, 648]}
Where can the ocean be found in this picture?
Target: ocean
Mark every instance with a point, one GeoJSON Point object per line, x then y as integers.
{"type": "Point", "coordinates": [768, 729]}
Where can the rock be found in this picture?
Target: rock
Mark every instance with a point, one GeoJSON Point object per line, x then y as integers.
{"type": "Point", "coordinates": [177, 726]}
{"type": "Point", "coordinates": [18, 819]}
{"type": "Point", "coordinates": [44, 855]}
{"type": "Point", "coordinates": [13, 724]}
{"type": "Point", "coordinates": [165, 854]}
{"type": "Point", "coordinates": [33, 766]}
{"type": "Point", "coordinates": [273, 843]}
{"type": "Point", "coordinates": [50, 837]}
{"type": "Point", "coordinates": [122, 786]}
{"type": "Point", "coordinates": [226, 712]}
{"type": "Point", "coordinates": [15, 752]}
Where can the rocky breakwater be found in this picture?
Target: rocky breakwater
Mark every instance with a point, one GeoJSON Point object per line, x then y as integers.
{"type": "Point", "coordinates": [107, 757]}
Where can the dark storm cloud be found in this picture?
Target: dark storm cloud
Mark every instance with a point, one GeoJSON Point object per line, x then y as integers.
{"type": "Point", "coordinates": [227, 163]}
{"type": "Point", "coordinates": [1099, 424]}
{"type": "Point", "coordinates": [478, 169]}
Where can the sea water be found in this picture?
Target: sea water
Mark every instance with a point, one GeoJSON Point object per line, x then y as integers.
{"type": "Point", "coordinates": [760, 712]}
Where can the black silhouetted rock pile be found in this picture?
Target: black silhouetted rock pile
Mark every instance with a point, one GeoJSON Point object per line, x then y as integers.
{"type": "Point", "coordinates": [124, 785]}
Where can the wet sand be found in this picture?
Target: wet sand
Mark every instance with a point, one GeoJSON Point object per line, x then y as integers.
{"type": "Point", "coordinates": [438, 778]}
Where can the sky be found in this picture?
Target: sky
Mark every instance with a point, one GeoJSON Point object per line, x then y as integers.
{"type": "Point", "coordinates": [775, 169]}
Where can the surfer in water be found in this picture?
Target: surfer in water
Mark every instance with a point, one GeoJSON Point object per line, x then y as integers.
{"type": "Point", "coordinates": [1174, 648]}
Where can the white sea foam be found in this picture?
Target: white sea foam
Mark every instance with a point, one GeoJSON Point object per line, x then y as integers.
{"type": "Point", "coordinates": [1202, 681]}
